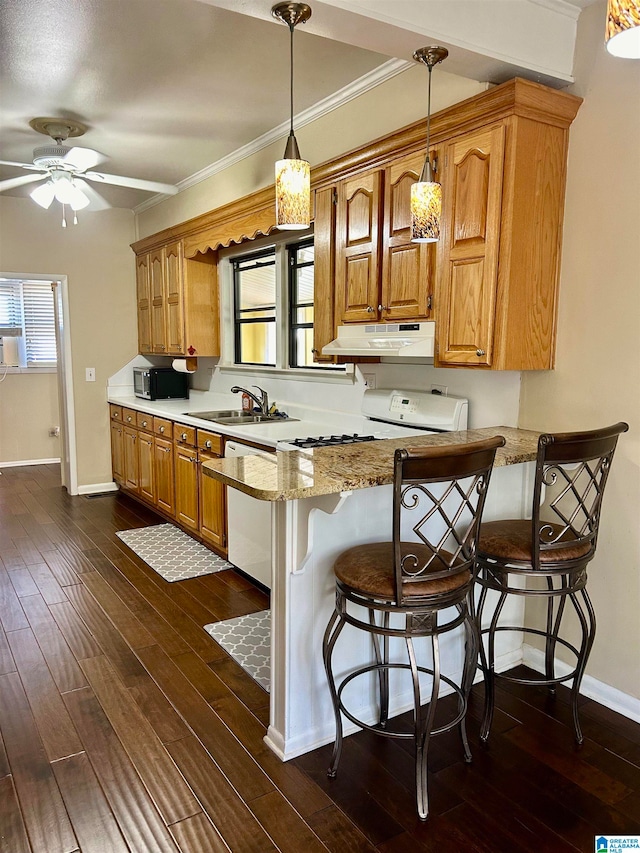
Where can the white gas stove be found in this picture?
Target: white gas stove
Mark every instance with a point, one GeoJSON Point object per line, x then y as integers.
{"type": "Point", "coordinates": [392, 413]}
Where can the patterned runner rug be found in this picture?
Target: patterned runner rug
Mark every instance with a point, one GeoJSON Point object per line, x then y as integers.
{"type": "Point", "coordinates": [248, 640]}
{"type": "Point", "coordinates": [172, 553]}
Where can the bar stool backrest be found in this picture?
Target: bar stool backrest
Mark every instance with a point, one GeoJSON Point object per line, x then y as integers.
{"type": "Point", "coordinates": [439, 494]}
{"type": "Point", "coordinates": [573, 468]}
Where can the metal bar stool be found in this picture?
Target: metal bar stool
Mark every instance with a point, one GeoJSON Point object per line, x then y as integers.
{"type": "Point", "coordinates": [554, 546]}
{"type": "Point", "coordinates": [399, 588]}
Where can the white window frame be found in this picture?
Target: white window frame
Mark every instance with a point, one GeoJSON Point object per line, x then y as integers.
{"type": "Point", "coordinates": [23, 322]}
{"type": "Point", "coordinates": [227, 319]}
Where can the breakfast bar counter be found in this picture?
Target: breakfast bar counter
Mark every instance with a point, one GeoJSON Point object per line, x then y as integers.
{"type": "Point", "coordinates": [324, 501]}
{"type": "Point", "coordinates": [297, 474]}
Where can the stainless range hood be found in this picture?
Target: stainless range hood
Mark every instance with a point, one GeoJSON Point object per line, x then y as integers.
{"type": "Point", "coordinates": [384, 340]}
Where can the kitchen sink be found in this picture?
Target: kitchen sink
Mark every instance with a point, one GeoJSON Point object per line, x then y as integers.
{"type": "Point", "coordinates": [237, 417]}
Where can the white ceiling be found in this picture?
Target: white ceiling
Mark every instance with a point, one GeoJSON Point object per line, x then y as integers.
{"type": "Point", "coordinates": [168, 87]}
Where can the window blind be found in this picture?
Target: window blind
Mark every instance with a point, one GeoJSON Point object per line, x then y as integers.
{"type": "Point", "coordinates": [10, 304]}
{"type": "Point", "coordinates": [39, 324]}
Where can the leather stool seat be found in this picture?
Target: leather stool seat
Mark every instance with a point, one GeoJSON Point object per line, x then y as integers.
{"type": "Point", "coordinates": [510, 541]}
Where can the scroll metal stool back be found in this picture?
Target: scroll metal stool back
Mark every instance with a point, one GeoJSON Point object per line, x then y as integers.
{"type": "Point", "coordinates": [399, 588]}
{"type": "Point", "coordinates": [555, 545]}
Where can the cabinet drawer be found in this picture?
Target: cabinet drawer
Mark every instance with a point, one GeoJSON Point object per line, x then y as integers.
{"type": "Point", "coordinates": [184, 435]}
{"type": "Point", "coordinates": [145, 421]}
{"type": "Point", "coordinates": [164, 427]}
{"type": "Point", "coordinates": [210, 441]}
{"type": "Point", "coordinates": [115, 412]}
{"type": "Point", "coordinates": [130, 417]}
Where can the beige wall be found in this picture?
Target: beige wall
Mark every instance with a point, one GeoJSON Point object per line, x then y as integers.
{"type": "Point", "coordinates": [28, 408]}
{"type": "Point", "coordinates": [391, 105]}
{"type": "Point", "coordinates": [96, 258]}
{"type": "Point", "coordinates": [596, 377]}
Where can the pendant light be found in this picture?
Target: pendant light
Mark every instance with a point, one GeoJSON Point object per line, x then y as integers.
{"type": "Point", "coordinates": [623, 28]}
{"type": "Point", "coordinates": [293, 175]}
{"type": "Point", "coordinates": [426, 194]}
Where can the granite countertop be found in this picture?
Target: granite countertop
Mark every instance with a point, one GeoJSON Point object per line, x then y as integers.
{"type": "Point", "coordinates": [295, 474]}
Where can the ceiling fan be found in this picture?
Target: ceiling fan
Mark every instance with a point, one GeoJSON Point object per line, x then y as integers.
{"type": "Point", "coordinates": [66, 171]}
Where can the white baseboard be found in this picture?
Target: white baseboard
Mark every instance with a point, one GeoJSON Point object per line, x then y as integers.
{"type": "Point", "coordinates": [97, 488]}
{"type": "Point", "coordinates": [611, 697]}
{"type": "Point", "coordinates": [22, 462]}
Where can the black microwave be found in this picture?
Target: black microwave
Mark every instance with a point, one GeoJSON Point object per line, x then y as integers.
{"type": "Point", "coordinates": [160, 383]}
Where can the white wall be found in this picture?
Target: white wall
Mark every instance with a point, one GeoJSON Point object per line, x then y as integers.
{"type": "Point", "coordinates": [96, 258]}
{"type": "Point", "coordinates": [598, 361]}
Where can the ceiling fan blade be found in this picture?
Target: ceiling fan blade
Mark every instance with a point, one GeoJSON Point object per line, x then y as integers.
{"type": "Point", "coordinates": [83, 158]}
{"type": "Point", "coordinates": [96, 201]}
{"type": "Point", "coordinates": [135, 183]}
{"type": "Point", "coordinates": [20, 165]}
{"type": "Point", "coordinates": [21, 179]}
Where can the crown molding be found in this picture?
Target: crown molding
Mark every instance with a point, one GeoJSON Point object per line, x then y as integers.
{"type": "Point", "coordinates": [363, 84]}
{"type": "Point", "coordinates": [563, 7]}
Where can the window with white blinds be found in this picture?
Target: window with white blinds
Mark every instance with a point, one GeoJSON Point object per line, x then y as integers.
{"type": "Point", "coordinates": [28, 305]}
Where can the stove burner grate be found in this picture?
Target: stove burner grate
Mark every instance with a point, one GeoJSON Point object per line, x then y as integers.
{"type": "Point", "coordinates": [331, 440]}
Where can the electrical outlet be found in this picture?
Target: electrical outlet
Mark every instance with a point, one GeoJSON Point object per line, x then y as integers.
{"type": "Point", "coordinates": [369, 380]}
{"type": "Point", "coordinates": [90, 374]}
{"type": "Point", "coordinates": [440, 389]}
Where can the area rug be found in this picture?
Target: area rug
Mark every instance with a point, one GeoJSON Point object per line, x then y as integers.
{"type": "Point", "coordinates": [248, 640]}
{"type": "Point", "coordinates": [172, 553]}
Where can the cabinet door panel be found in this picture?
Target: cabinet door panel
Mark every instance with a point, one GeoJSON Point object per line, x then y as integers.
{"type": "Point", "coordinates": [324, 227]}
{"type": "Point", "coordinates": [357, 251]}
{"type": "Point", "coordinates": [143, 289]}
{"type": "Point", "coordinates": [213, 502]}
{"type": "Point", "coordinates": [165, 480]}
{"type": "Point", "coordinates": [131, 464]}
{"type": "Point", "coordinates": [145, 456]}
{"type": "Point", "coordinates": [175, 298]}
{"type": "Point", "coordinates": [158, 301]}
{"type": "Point", "coordinates": [407, 268]}
{"type": "Point", "coordinates": [472, 206]}
{"type": "Point", "coordinates": [186, 468]}
{"type": "Point", "coordinates": [117, 450]}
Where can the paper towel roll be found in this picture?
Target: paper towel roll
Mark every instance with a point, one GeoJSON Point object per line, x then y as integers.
{"type": "Point", "coordinates": [180, 366]}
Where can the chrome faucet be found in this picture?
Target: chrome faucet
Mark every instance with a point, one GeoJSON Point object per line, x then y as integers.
{"type": "Point", "coordinates": [261, 402]}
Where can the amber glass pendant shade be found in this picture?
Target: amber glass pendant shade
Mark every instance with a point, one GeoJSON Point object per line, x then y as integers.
{"type": "Point", "coordinates": [426, 209]}
{"type": "Point", "coordinates": [622, 35]}
{"type": "Point", "coordinates": [293, 194]}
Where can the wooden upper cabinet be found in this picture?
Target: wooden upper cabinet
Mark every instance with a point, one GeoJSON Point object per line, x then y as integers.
{"type": "Point", "coordinates": [324, 229]}
{"type": "Point", "coordinates": [158, 301]}
{"type": "Point", "coordinates": [184, 312]}
{"type": "Point", "coordinates": [470, 239]}
{"type": "Point", "coordinates": [174, 298]}
{"type": "Point", "coordinates": [407, 268]}
{"type": "Point", "coordinates": [357, 247]}
{"type": "Point", "coordinates": [143, 290]}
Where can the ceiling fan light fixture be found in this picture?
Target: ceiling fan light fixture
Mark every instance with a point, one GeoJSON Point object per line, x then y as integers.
{"type": "Point", "coordinates": [44, 194]}
{"type": "Point", "coordinates": [66, 192]}
{"type": "Point", "coordinates": [292, 173]}
{"type": "Point", "coordinates": [622, 35]}
{"type": "Point", "coordinates": [426, 194]}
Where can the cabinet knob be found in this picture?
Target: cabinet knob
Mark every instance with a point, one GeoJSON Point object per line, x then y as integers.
{"type": "Point", "coordinates": [314, 351]}
{"type": "Point", "coordinates": [116, 414]}
{"type": "Point", "coordinates": [144, 423]}
{"type": "Point", "coordinates": [160, 346]}
{"type": "Point", "coordinates": [183, 436]}
{"type": "Point", "coordinates": [129, 418]}
{"type": "Point", "coordinates": [383, 307]}
{"type": "Point", "coordinates": [480, 352]}
{"type": "Point", "coordinates": [370, 309]}
{"type": "Point", "coordinates": [161, 429]}
{"type": "Point", "coordinates": [207, 445]}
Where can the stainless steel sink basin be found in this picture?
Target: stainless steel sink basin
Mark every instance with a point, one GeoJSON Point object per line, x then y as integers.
{"type": "Point", "coordinates": [236, 417]}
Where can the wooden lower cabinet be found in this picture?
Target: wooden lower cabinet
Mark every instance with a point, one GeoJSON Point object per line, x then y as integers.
{"type": "Point", "coordinates": [117, 451]}
{"type": "Point", "coordinates": [147, 479]}
{"type": "Point", "coordinates": [186, 470]}
{"type": "Point", "coordinates": [131, 463]}
{"type": "Point", "coordinates": [213, 507]}
{"type": "Point", "coordinates": [165, 477]}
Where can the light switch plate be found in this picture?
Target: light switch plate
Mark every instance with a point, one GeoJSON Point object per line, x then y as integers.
{"type": "Point", "coordinates": [90, 374]}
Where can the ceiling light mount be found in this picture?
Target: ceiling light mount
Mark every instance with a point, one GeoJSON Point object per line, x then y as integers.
{"type": "Point", "coordinates": [59, 128]}
{"type": "Point", "coordinates": [431, 55]}
{"type": "Point", "coordinates": [292, 14]}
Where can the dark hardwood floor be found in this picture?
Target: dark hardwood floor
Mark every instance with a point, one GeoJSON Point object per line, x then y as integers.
{"type": "Point", "coordinates": [126, 727]}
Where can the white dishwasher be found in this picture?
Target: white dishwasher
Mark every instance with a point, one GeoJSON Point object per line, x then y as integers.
{"type": "Point", "coordinates": [248, 524]}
